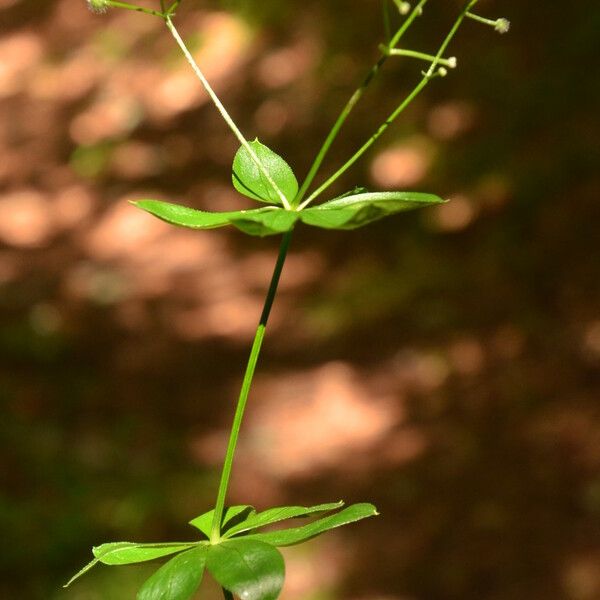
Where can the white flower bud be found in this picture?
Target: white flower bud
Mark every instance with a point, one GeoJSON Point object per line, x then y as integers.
{"type": "Point", "coordinates": [452, 62]}
{"type": "Point", "coordinates": [404, 8]}
{"type": "Point", "coordinates": [502, 25]}
{"type": "Point", "coordinates": [98, 6]}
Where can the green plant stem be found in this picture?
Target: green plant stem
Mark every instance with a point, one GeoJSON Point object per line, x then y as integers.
{"type": "Point", "coordinates": [135, 8]}
{"type": "Point", "coordinates": [353, 101]}
{"type": "Point", "coordinates": [217, 102]}
{"type": "Point", "coordinates": [427, 77]}
{"type": "Point", "coordinates": [245, 390]}
{"type": "Point", "coordinates": [479, 19]}
{"type": "Point", "coordinates": [446, 62]}
{"type": "Point", "coordinates": [173, 8]}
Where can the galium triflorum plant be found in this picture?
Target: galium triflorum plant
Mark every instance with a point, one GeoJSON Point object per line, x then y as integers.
{"type": "Point", "coordinates": [243, 559]}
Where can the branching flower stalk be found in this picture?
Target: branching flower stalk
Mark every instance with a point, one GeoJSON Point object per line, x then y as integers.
{"type": "Point", "coordinates": [244, 561]}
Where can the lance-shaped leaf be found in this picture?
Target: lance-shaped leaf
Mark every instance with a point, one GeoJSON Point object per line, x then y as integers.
{"type": "Point", "coordinates": [281, 513]}
{"type": "Point", "coordinates": [259, 221]}
{"type": "Point", "coordinates": [297, 535]}
{"type": "Point", "coordinates": [355, 210]}
{"type": "Point", "coordinates": [232, 515]}
{"type": "Point", "coordinates": [248, 179]}
{"type": "Point", "coordinates": [126, 553]}
{"type": "Point", "coordinates": [178, 579]}
{"type": "Point", "coordinates": [250, 569]}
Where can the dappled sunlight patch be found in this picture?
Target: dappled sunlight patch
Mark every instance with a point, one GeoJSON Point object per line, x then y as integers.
{"type": "Point", "coordinates": [225, 38]}
{"type": "Point", "coordinates": [19, 52]}
{"type": "Point", "coordinates": [26, 219]}
{"type": "Point", "coordinates": [89, 282]}
{"type": "Point", "coordinates": [315, 420]}
{"type": "Point", "coordinates": [234, 317]}
{"type": "Point", "coordinates": [72, 205]}
{"type": "Point", "coordinates": [121, 231]}
{"type": "Point", "coordinates": [302, 268]}
{"type": "Point", "coordinates": [403, 165]}
{"type": "Point", "coordinates": [110, 117]}
{"type": "Point", "coordinates": [272, 116]}
{"type": "Point", "coordinates": [453, 216]}
{"type": "Point", "coordinates": [467, 356]}
{"type": "Point", "coordinates": [312, 572]}
{"type": "Point", "coordinates": [449, 120]}
{"type": "Point", "coordinates": [402, 447]}
{"type": "Point", "coordinates": [136, 160]}
{"type": "Point", "coordinates": [68, 81]}
{"type": "Point", "coordinates": [284, 66]}
{"type": "Point", "coordinates": [420, 370]}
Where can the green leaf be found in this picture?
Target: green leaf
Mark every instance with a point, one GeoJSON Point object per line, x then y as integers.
{"type": "Point", "coordinates": [297, 535]}
{"type": "Point", "coordinates": [281, 513]}
{"type": "Point", "coordinates": [250, 569]}
{"type": "Point", "coordinates": [126, 553]}
{"type": "Point", "coordinates": [178, 579]}
{"type": "Point", "coordinates": [355, 210]}
{"type": "Point", "coordinates": [249, 180]}
{"type": "Point", "coordinates": [259, 221]}
{"type": "Point", "coordinates": [231, 516]}
{"type": "Point", "coordinates": [81, 572]}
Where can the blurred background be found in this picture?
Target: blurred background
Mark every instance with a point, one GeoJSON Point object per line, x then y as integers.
{"type": "Point", "coordinates": [442, 364]}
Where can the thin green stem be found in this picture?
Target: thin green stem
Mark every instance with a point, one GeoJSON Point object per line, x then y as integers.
{"type": "Point", "coordinates": [135, 8]}
{"type": "Point", "coordinates": [427, 77]}
{"type": "Point", "coordinates": [479, 19]}
{"type": "Point", "coordinates": [245, 390]}
{"type": "Point", "coordinates": [217, 102]}
{"type": "Point", "coordinates": [173, 8]}
{"type": "Point", "coordinates": [446, 62]}
{"type": "Point", "coordinates": [352, 102]}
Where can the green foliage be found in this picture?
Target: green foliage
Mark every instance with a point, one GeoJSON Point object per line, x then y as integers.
{"type": "Point", "coordinates": [249, 566]}
{"type": "Point", "coordinates": [251, 569]}
{"type": "Point", "coordinates": [281, 513]}
{"type": "Point", "coordinates": [355, 210]}
{"type": "Point", "coordinates": [126, 553]}
{"type": "Point", "coordinates": [178, 579]}
{"type": "Point", "coordinates": [250, 181]}
{"type": "Point", "coordinates": [348, 212]}
{"type": "Point", "coordinates": [297, 535]}
{"type": "Point", "coordinates": [231, 516]}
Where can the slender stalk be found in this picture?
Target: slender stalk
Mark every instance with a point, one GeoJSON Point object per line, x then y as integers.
{"type": "Point", "coordinates": [135, 8]}
{"type": "Point", "coordinates": [244, 392]}
{"type": "Point", "coordinates": [427, 77]}
{"type": "Point", "coordinates": [230, 122]}
{"type": "Point", "coordinates": [173, 8]}
{"type": "Point", "coordinates": [446, 62]}
{"type": "Point", "coordinates": [353, 101]}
